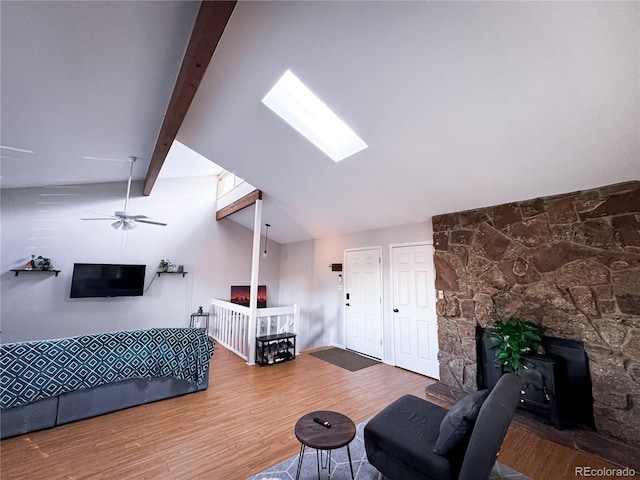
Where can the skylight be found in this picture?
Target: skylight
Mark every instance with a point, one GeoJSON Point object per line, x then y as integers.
{"type": "Point", "coordinates": [303, 110]}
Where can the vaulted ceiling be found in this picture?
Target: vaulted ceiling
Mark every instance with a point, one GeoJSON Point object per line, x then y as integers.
{"type": "Point", "coordinates": [85, 79]}
{"type": "Point", "coordinates": [462, 104]}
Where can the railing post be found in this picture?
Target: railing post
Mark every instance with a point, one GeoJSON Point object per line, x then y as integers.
{"type": "Point", "coordinates": [214, 321]}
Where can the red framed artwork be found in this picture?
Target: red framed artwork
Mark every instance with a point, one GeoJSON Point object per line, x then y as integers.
{"type": "Point", "coordinates": [240, 295]}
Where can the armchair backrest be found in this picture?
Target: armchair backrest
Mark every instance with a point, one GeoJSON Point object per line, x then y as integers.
{"type": "Point", "coordinates": [490, 428]}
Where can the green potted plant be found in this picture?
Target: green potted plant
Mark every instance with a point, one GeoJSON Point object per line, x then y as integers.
{"type": "Point", "coordinates": [165, 265]}
{"type": "Point", "coordinates": [513, 339]}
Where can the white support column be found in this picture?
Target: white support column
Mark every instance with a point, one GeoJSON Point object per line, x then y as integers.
{"type": "Point", "coordinates": [255, 271]}
{"type": "Point", "coordinates": [296, 326]}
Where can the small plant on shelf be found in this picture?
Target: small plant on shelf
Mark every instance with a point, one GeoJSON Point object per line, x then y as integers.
{"type": "Point", "coordinates": [513, 339]}
{"type": "Point", "coordinates": [165, 265]}
{"type": "Point", "coordinates": [39, 263]}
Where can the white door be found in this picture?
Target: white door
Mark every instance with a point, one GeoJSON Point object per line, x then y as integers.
{"type": "Point", "coordinates": [415, 319]}
{"type": "Point", "coordinates": [363, 301]}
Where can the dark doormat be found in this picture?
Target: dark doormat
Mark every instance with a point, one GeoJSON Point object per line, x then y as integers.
{"type": "Point", "coordinates": [345, 359]}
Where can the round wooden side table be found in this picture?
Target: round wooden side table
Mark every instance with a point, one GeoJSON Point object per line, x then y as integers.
{"type": "Point", "coordinates": [313, 435]}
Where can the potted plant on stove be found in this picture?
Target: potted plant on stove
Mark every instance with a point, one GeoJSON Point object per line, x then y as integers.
{"type": "Point", "coordinates": [512, 339]}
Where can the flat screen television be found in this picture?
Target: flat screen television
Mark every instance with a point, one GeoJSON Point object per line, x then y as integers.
{"type": "Point", "coordinates": [107, 280]}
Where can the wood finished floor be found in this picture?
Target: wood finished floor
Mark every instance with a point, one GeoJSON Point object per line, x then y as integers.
{"type": "Point", "coordinates": [240, 426]}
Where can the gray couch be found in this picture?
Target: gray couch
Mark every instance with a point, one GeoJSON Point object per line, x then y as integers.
{"type": "Point", "coordinates": [53, 382]}
{"type": "Point", "coordinates": [91, 402]}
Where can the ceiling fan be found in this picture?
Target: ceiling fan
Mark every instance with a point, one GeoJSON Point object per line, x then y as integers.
{"type": "Point", "coordinates": [124, 219]}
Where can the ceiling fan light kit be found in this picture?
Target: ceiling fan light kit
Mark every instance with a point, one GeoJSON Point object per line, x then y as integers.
{"type": "Point", "coordinates": [123, 218]}
{"type": "Point", "coordinates": [126, 225]}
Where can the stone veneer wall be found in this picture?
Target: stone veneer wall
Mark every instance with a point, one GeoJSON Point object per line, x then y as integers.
{"type": "Point", "coordinates": [570, 263]}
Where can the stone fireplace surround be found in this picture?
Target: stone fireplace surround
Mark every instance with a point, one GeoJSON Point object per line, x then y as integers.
{"type": "Point", "coordinates": [570, 263]}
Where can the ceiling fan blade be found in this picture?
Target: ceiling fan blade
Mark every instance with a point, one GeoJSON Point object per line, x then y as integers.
{"type": "Point", "coordinates": [103, 218]}
{"type": "Point", "coordinates": [152, 223]}
{"type": "Point", "coordinates": [128, 216]}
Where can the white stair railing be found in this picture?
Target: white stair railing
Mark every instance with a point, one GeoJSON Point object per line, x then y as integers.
{"type": "Point", "coordinates": [277, 320]}
{"type": "Point", "coordinates": [230, 326]}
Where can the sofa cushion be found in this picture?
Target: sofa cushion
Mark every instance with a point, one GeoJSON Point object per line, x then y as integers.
{"type": "Point", "coordinates": [91, 402]}
{"type": "Point", "coordinates": [27, 418]}
{"type": "Point", "coordinates": [458, 423]}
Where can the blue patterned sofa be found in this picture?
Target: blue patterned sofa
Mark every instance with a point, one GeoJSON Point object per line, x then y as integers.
{"type": "Point", "coordinates": [53, 382]}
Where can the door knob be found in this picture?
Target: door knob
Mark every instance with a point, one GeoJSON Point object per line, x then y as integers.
{"type": "Point", "coordinates": [347, 305]}
{"type": "Point", "coordinates": [395, 310]}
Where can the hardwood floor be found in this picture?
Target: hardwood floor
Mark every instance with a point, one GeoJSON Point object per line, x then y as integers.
{"type": "Point", "coordinates": [239, 426]}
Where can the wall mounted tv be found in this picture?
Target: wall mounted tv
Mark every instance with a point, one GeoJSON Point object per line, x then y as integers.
{"type": "Point", "coordinates": [107, 280]}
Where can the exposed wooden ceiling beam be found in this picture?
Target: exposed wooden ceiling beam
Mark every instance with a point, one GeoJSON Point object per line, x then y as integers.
{"type": "Point", "coordinates": [240, 204]}
{"type": "Point", "coordinates": [208, 28]}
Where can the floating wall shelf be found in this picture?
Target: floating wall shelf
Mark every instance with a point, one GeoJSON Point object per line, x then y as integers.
{"type": "Point", "coordinates": [171, 273]}
{"type": "Point", "coordinates": [35, 271]}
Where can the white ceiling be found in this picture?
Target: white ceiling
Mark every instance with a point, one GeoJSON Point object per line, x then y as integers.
{"type": "Point", "coordinates": [462, 104]}
{"type": "Point", "coordinates": [86, 79]}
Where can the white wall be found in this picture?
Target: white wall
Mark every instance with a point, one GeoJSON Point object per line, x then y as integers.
{"type": "Point", "coordinates": [306, 279]}
{"type": "Point", "coordinates": [46, 221]}
{"type": "Point", "coordinates": [217, 255]}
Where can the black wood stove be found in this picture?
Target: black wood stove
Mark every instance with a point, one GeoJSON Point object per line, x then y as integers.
{"type": "Point", "coordinates": [557, 384]}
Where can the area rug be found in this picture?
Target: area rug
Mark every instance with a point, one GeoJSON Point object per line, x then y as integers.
{"type": "Point", "coordinates": [344, 358]}
{"type": "Point", "coordinates": [362, 469]}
